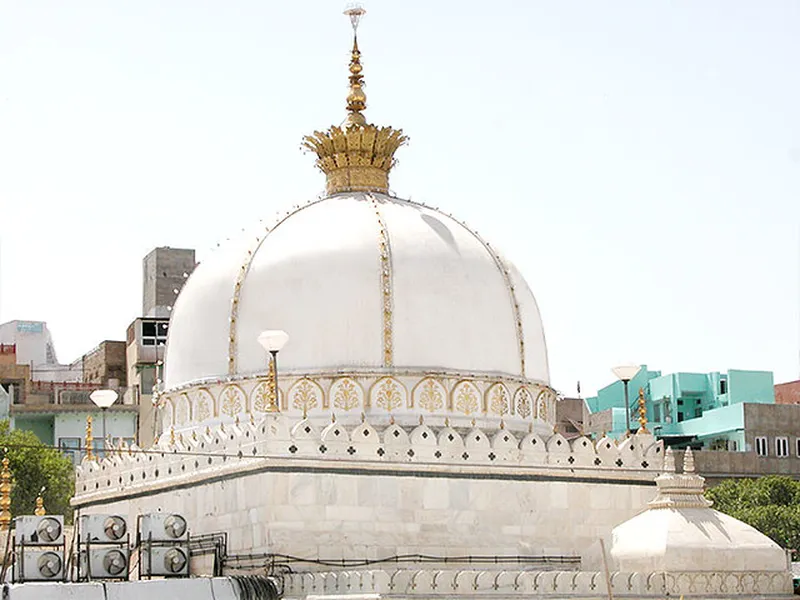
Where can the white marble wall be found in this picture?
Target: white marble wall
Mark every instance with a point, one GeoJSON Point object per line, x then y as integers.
{"type": "Point", "coordinates": [286, 487]}
{"type": "Point", "coordinates": [338, 515]}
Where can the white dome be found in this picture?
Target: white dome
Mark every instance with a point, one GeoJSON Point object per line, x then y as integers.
{"type": "Point", "coordinates": [454, 304]}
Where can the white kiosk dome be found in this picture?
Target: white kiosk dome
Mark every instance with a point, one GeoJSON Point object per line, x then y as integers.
{"type": "Point", "coordinates": [368, 286]}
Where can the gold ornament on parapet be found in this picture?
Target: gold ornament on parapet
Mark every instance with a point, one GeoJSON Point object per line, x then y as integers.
{"type": "Point", "coordinates": [498, 399]}
{"type": "Point", "coordinates": [523, 402]}
{"type": "Point", "coordinates": [232, 400]}
{"type": "Point", "coordinates": [466, 400]}
{"type": "Point", "coordinates": [541, 403]}
{"type": "Point", "coordinates": [431, 397]}
{"type": "Point", "coordinates": [345, 394]}
{"type": "Point", "coordinates": [389, 396]}
{"type": "Point", "coordinates": [305, 395]}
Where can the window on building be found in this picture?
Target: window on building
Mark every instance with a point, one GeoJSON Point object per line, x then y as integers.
{"type": "Point", "coordinates": [761, 445]}
{"type": "Point", "coordinates": [781, 446]}
{"type": "Point", "coordinates": [154, 333]}
{"type": "Point", "coordinates": [733, 445]}
{"type": "Point", "coordinates": [798, 446]}
{"type": "Point", "coordinates": [723, 386]}
{"type": "Point", "coordinates": [71, 447]}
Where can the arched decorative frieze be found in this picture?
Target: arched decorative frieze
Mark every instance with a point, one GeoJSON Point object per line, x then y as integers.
{"type": "Point", "coordinates": [260, 397]}
{"type": "Point", "coordinates": [233, 401]}
{"type": "Point", "coordinates": [428, 395]}
{"type": "Point", "coordinates": [466, 398]}
{"type": "Point", "coordinates": [203, 405]}
{"type": "Point", "coordinates": [498, 400]}
{"type": "Point", "coordinates": [346, 394]}
{"type": "Point", "coordinates": [389, 394]}
{"type": "Point", "coordinates": [305, 395]}
{"type": "Point", "coordinates": [183, 413]}
{"type": "Point", "coordinates": [541, 405]}
{"type": "Point", "coordinates": [522, 402]}
{"type": "Point", "coordinates": [166, 414]}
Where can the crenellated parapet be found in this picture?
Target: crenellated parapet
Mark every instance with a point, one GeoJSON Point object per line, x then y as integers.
{"type": "Point", "coordinates": [246, 445]}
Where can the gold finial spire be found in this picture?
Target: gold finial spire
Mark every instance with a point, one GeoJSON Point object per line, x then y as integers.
{"type": "Point", "coordinates": [356, 156]}
{"type": "Point", "coordinates": [39, 511]}
{"type": "Point", "coordinates": [5, 496]}
{"type": "Point", "coordinates": [356, 99]}
{"type": "Point", "coordinates": [642, 413]}
{"type": "Point", "coordinates": [89, 438]}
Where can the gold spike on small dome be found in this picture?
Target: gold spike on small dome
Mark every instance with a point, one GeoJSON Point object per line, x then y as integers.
{"type": "Point", "coordinates": [356, 156]}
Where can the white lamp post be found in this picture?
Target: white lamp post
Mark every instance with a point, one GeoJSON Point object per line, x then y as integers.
{"type": "Point", "coordinates": [625, 373]}
{"type": "Point", "coordinates": [103, 399]}
{"type": "Point", "coordinates": [273, 340]}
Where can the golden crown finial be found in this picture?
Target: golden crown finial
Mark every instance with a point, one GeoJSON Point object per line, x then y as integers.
{"type": "Point", "coordinates": [357, 156]}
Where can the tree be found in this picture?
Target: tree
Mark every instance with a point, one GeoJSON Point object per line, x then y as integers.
{"type": "Point", "coordinates": [35, 466]}
{"type": "Point", "coordinates": [771, 504]}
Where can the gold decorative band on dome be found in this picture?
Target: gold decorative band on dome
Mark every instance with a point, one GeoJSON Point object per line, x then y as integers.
{"type": "Point", "coordinates": [387, 297]}
{"type": "Point", "coordinates": [244, 269]}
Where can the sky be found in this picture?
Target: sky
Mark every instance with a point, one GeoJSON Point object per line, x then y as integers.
{"type": "Point", "coordinates": [638, 161]}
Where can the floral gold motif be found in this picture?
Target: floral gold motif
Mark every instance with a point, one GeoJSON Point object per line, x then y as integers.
{"type": "Point", "coordinates": [431, 397]}
{"type": "Point", "coordinates": [467, 398]}
{"type": "Point", "coordinates": [232, 403]}
{"type": "Point", "coordinates": [523, 403]}
{"type": "Point", "coordinates": [305, 395]}
{"type": "Point", "coordinates": [541, 401]}
{"type": "Point", "coordinates": [389, 396]}
{"type": "Point", "coordinates": [346, 396]}
{"type": "Point", "coordinates": [262, 394]}
{"type": "Point", "coordinates": [498, 399]}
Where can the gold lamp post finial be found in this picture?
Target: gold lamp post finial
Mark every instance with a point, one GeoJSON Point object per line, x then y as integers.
{"type": "Point", "coordinates": [39, 511]}
{"type": "Point", "coordinates": [89, 438]}
{"type": "Point", "coordinates": [5, 496]}
{"type": "Point", "coordinates": [356, 98]}
{"type": "Point", "coordinates": [642, 413]}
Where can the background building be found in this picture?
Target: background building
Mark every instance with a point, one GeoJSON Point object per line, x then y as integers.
{"type": "Point", "coordinates": [733, 411]}
{"type": "Point", "coordinates": [788, 393]}
{"type": "Point", "coordinates": [164, 271]}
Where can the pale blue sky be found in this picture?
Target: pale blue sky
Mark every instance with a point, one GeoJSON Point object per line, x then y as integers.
{"type": "Point", "coordinates": [639, 161]}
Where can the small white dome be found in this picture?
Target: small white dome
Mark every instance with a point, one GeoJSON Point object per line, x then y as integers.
{"type": "Point", "coordinates": [679, 532]}
{"type": "Point", "coordinates": [453, 302]}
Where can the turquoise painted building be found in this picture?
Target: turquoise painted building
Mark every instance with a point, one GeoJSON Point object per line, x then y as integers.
{"type": "Point", "coordinates": [704, 410]}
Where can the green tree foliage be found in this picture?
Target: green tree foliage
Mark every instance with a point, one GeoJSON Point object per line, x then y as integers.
{"type": "Point", "coordinates": [34, 466]}
{"type": "Point", "coordinates": [770, 504]}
